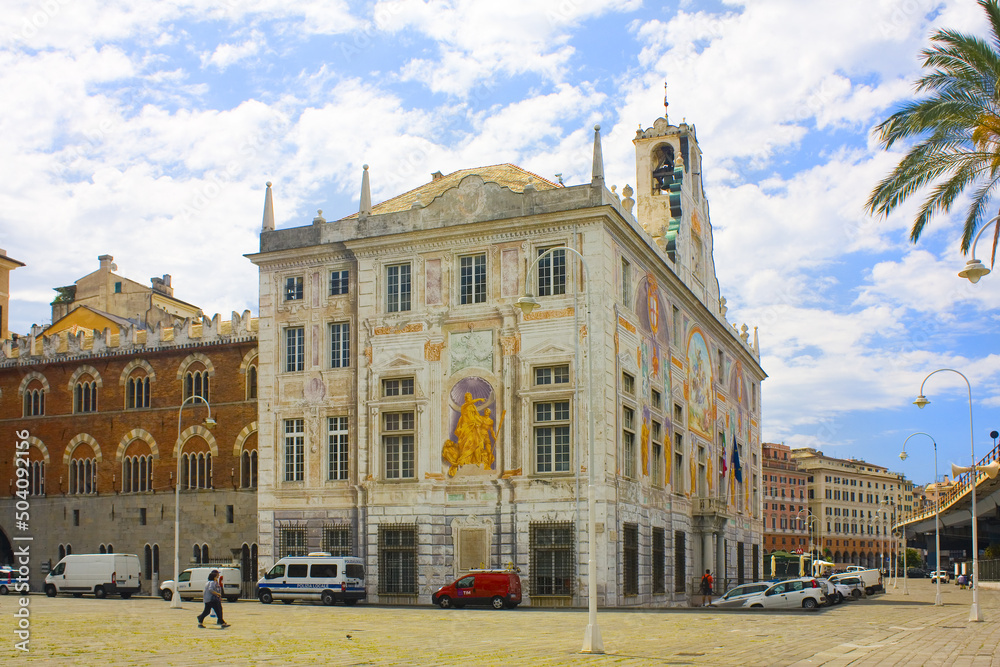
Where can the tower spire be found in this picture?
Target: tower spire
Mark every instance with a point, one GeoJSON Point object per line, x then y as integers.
{"type": "Point", "coordinates": [268, 223]}
{"type": "Point", "coordinates": [366, 193]}
{"type": "Point", "coordinates": [598, 171]}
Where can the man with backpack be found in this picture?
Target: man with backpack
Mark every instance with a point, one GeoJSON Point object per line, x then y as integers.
{"type": "Point", "coordinates": [706, 587]}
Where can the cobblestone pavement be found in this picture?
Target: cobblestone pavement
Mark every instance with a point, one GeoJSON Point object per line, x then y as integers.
{"type": "Point", "coordinates": [889, 629]}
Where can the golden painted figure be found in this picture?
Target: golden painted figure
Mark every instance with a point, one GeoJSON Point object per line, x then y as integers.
{"type": "Point", "coordinates": [472, 442]}
{"type": "Point", "coordinates": [645, 447]}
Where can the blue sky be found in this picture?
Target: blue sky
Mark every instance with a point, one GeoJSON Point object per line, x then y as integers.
{"type": "Point", "coordinates": [147, 131]}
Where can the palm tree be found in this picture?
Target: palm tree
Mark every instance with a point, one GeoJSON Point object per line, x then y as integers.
{"type": "Point", "coordinates": [957, 127]}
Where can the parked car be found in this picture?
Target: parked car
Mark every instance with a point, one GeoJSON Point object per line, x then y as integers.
{"type": "Point", "coordinates": [805, 593]}
{"type": "Point", "coordinates": [318, 576]}
{"type": "Point", "coordinates": [835, 591]}
{"type": "Point", "coordinates": [944, 575]}
{"type": "Point", "coordinates": [916, 573]}
{"type": "Point", "coordinates": [855, 587]}
{"type": "Point", "coordinates": [737, 596]}
{"type": "Point", "coordinates": [193, 580]}
{"type": "Point", "coordinates": [871, 578]}
{"type": "Point", "coordinates": [499, 588]}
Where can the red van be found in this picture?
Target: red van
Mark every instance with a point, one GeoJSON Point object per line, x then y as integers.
{"type": "Point", "coordinates": [499, 588]}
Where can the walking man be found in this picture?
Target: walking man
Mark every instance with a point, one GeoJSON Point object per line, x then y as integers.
{"type": "Point", "coordinates": [213, 599]}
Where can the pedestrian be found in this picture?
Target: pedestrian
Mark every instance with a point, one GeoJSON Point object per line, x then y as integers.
{"type": "Point", "coordinates": [961, 581]}
{"type": "Point", "coordinates": [213, 599]}
{"type": "Point", "coordinates": [706, 587]}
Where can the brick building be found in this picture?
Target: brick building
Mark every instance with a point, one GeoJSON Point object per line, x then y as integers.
{"type": "Point", "coordinates": [787, 523]}
{"type": "Point", "coordinates": [100, 409]}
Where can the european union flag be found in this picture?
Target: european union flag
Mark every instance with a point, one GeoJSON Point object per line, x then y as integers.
{"type": "Point", "coordinates": [737, 468]}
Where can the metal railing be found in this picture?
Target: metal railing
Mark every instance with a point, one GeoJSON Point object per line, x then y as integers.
{"type": "Point", "coordinates": [956, 492]}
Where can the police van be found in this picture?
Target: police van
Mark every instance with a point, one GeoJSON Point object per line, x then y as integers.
{"type": "Point", "coordinates": [318, 576]}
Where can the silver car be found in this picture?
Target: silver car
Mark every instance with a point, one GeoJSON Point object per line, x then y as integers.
{"type": "Point", "coordinates": [737, 596]}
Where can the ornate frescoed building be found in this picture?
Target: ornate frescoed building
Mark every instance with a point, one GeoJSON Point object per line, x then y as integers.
{"type": "Point", "coordinates": [412, 414]}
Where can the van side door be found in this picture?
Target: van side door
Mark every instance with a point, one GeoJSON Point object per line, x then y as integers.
{"type": "Point", "coordinates": [465, 588]}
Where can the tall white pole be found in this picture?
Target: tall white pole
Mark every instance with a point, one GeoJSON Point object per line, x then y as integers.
{"type": "Point", "coordinates": [937, 515]}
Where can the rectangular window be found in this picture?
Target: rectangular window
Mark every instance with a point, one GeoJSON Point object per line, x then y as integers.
{"type": "Point", "coordinates": [340, 345]}
{"type": "Point", "coordinates": [337, 449]}
{"type": "Point", "coordinates": [656, 436]}
{"type": "Point", "coordinates": [337, 540]}
{"type": "Point", "coordinates": [655, 399]}
{"type": "Point", "coordinates": [339, 280]}
{"type": "Point", "coordinates": [293, 288]}
{"type": "Point", "coordinates": [472, 278]}
{"type": "Point", "coordinates": [628, 441]}
{"type": "Point", "coordinates": [626, 283]}
{"type": "Point", "coordinates": [552, 559]}
{"type": "Point", "coordinates": [551, 431]}
{"type": "Point", "coordinates": [630, 560]}
{"type": "Point", "coordinates": [295, 450]}
{"type": "Point", "coordinates": [397, 443]}
{"type": "Point", "coordinates": [295, 349]}
{"type": "Point", "coordinates": [677, 478]}
{"type": "Point", "coordinates": [628, 384]}
{"type": "Point", "coordinates": [659, 561]}
{"type": "Point", "coordinates": [397, 387]}
{"type": "Point", "coordinates": [397, 288]}
{"type": "Point", "coordinates": [397, 560]}
{"type": "Point", "coordinates": [680, 562]}
{"type": "Point", "coordinates": [142, 516]}
{"type": "Point", "coordinates": [291, 542]}
{"type": "Point", "coordinates": [552, 272]}
{"type": "Point", "coordinates": [547, 375]}
{"type": "Point", "coordinates": [230, 514]}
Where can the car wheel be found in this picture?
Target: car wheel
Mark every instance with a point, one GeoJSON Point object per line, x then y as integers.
{"type": "Point", "coordinates": [869, 591]}
{"type": "Point", "coordinates": [444, 602]}
{"type": "Point", "coordinates": [327, 598]}
{"type": "Point", "coordinates": [166, 594]}
{"type": "Point", "coordinates": [3, 590]}
{"type": "Point", "coordinates": [856, 594]}
{"type": "Point", "coordinates": [288, 601]}
{"type": "Point", "coordinates": [497, 602]}
{"type": "Point", "coordinates": [809, 603]}
{"type": "Point", "coordinates": [50, 590]}
{"type": "Point", "coordinates": [100, 593]}
{"type": "Point", "coordinates": [232, 598]}
{"type": "Point", "coordinates": [265, 596]}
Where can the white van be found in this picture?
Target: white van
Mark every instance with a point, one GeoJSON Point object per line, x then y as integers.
{"type": "Point", "coordinates": [318, 576]}
{"type": "Point", "coordinates": [100, 574]}
{"type": "Point", "coordinates": [193, 580]}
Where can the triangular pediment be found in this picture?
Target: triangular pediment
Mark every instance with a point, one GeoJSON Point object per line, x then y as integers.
{"type": "Point", "coordinates": [396, 362]}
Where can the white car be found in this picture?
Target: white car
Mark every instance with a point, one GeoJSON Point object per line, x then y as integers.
{"type": "Point", "coordinates": [834, 590]}
{"type": "Point", "coordinates": [849, 585]}
{"type": "Point", "coordinates": [737, 596]}
{"type": "Point", "coordinates": [943, 574]}
{"type": "Point", "coordinates": [193, 582]}
{"type": "Point", "coordinates": [804, 593]}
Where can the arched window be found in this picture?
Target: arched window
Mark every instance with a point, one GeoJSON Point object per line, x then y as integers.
{"type": "Point", "coordinates": [196, 470]}
{"type": "Point", "coordinates": [83, 476]}
{"type": "Point", "coordinates": [62, 552]}
{"type": "Point", "coordinates": [196, 382]}
{"type": "Point", "coordinates": [248, 469]}
{"type": "Point", "coordinates": [36, 477]}
{"type": "Point", "coordinates": [34, 400]}
{"type": "Point", "coordinates": [147, 561]}
{"type": "Point", "coordinates": [204, 553]}
{"type": "Point", "coordinates": [200, 554]}
{"type": "Point", "coordinates": [252, 382]}
{"type": "Point", "coordinates": [196, 554]}
{"type": "Point", "coordinates": [156, 559]}
{"type": "Point", "coordinates": [137, 391]}
{"type": "Point", "coordinates": [85, 394]}
{"type": "Point", "coordinates": [102, 550]}
{"type": "Point", "coordinates": [137, 468]}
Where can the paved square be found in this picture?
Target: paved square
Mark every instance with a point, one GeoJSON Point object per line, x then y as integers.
{"type": "Point", "coordinates": [889, 629]}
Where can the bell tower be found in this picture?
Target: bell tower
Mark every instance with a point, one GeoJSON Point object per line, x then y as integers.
{"type": "Point", "coordinates": [671, 204]}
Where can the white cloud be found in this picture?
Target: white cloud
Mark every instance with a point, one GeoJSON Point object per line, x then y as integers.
{"type": "Point", "coordinates": [225, 55]}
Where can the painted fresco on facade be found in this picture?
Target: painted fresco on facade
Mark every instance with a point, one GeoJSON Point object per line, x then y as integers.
{"type": "Point", "coordinates": [698, 389]}
{"type": "Point", "coordinates": [472, 402]}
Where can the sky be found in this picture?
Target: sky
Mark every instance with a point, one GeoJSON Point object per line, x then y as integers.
{"type": "Point", "coordinates": [148, 130]}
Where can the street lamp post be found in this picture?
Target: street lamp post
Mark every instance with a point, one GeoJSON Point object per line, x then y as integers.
{"type": "Point", "coordinates": [175, 600]}
{"type": "Point", "coordinates": [975, 613]}
{"type": "Point", "coordinates": [974, 269]}
{"type": "Point", "coordinates": [937, 514]}
{"type": "Point", "coordinates": [592, 641]}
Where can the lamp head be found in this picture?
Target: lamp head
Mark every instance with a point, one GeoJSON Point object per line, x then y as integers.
{"type": "Point", "coordinates": [903, 455]}
{"type": "Point", "coordinates": [209, 423]}
{"type": "Point", "coordinates": [973, 271]}
{"type": "Point", "coordinates": [527, 303]}
{"type": "Point", "coordinates": [921, 401]}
